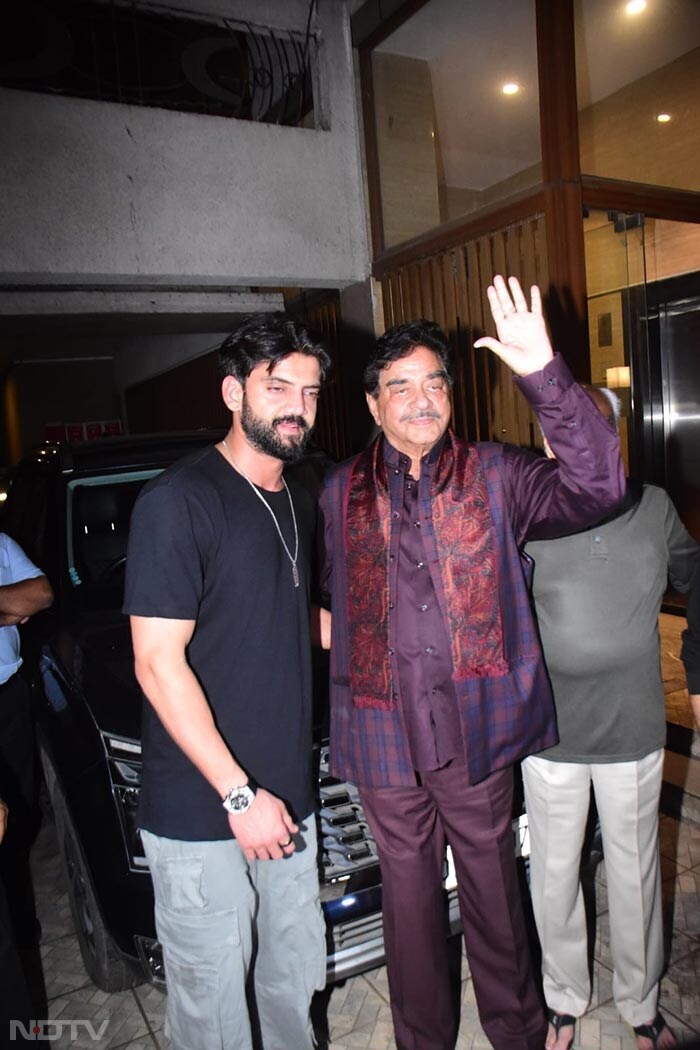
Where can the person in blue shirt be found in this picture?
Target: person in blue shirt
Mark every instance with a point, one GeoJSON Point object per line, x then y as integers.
{"type": "Point", "coordinates": [24, 591]}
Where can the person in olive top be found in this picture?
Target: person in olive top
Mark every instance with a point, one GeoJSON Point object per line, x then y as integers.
{"type": "Point", "coordinates": [597, 596]}
{"type": "Point", "coordinates": [217, 589]}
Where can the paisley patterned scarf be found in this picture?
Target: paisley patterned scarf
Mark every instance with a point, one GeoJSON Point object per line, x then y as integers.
{"type": "Point", "coordinates": [466, 546]}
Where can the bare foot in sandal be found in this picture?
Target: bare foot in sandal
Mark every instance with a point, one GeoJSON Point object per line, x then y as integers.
{"type": "Point", "coordinates": [560, 1034]}
{"type": "Point", "coordinates": [656, 1035]}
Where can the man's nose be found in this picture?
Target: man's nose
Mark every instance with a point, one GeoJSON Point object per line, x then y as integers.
{"type": "Point", "coordinates": [296, 403]}
{"type": "Point", "coordinates": [421, 398]}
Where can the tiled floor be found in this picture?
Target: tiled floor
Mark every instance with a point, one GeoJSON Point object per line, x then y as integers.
{"type": "Point", "coordinates": [358, 1013]}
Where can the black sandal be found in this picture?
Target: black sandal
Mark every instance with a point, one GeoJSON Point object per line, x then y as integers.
{"type": "Point", "coordinates": [651, 1031]}
{"type": "Point", "coordinates": [558, 1021]}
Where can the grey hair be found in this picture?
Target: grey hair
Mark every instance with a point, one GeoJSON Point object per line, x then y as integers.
{"type": "Point", "coordinates": [614, 402]}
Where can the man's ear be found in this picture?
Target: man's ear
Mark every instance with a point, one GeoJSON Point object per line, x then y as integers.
{"type": "Point", "coordinates": [232, 393]}
{"type": "Point", "coordinates": [372, 406]}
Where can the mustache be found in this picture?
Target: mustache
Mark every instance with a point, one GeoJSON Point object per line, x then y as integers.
{"type": "Point", "coordinates": [430, 414]}
{"type": "Point", "coordinates": [297, 420]}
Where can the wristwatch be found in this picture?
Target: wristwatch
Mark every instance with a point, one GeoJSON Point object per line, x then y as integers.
{"type": "Point", "coordinates": [240, 799]}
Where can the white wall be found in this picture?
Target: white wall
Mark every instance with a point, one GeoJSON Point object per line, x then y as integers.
{"type": "Point", "coordinates": [100, 193]}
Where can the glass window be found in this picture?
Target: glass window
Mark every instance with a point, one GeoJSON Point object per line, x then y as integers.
{"type": "Point", "coordinates": [99, 511]}
{"type": "Point", "coordinates": [638, 85]}
{"type": "Point", "coordinates": [643, 281]}
{"type": "Point", "coordinates": [457, 112]}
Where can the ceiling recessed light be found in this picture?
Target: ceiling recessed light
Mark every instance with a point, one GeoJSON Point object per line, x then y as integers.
{"type": "Point", "coordinates": [511, 88]}
{"type": "Point", "coordinates": [635, 7]}
{"type": "Point", "coordinates": [663, 118]}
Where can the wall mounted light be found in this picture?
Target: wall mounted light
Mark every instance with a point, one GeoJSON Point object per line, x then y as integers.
{"type": "Point", "coordinates": [663, 118]}
{"type": "Point", "coordinates": [511, 88]}
{"type": "Point", "coordinates": [617, 378]}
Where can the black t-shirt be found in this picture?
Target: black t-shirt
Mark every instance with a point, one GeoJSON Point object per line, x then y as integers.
{"type": "Point", "coordinates": [203, 547]}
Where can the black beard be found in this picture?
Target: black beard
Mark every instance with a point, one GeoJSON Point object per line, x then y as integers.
{"type": "Point", "coordinates": [265, 438]}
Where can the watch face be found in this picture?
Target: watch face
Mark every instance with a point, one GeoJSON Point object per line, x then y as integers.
{"type": "Point", "coordinates": [239, 799]}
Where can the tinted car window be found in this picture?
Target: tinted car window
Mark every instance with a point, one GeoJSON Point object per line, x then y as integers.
{"type": "Point", "coordinates": [99, 511]}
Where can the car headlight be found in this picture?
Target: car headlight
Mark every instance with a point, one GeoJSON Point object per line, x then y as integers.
{"type": "Point", "coordinates": [124, 763]}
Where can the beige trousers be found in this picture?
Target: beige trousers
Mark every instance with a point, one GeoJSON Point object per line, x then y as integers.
{"type": "Point", "coordinates": [557, 796]}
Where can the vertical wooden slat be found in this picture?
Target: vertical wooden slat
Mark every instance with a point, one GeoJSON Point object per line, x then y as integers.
{"type": "Point", "coordinates": [397, 299]}
{"type": "Point", "coordinates": [530, 276]}
{"type": "Point", "coordinates": [498, 254]}
{"type": "Point", "coordinates": [438, 286]}
{"type": "Point", "coordinates": [406, 300]}
{"type": "Point", "coordinates": [416, 307]}
{"type": "Point", "coordinates": [455, 271]}
{"type": "Point", "coordinates": [528, 256]}
{"type": "Point", "coordinates": [476, 296]}
{"type": "Point", "coordinates": [389, 292]}
{"type": "Point", "coordinates": [427, 306]}
{"type": "Point", "coordinates": [443, 276]}
{"type": "Point", "coordinates": [486, 367]}
{"type": "Point", "coordinates": [541, 260]}
{"type": "Point", "coordinates": [504, 422]}
{"type": "Point", "coordinates": [446, 266]}
{"type": "Point", "coordinates": [513, 236]}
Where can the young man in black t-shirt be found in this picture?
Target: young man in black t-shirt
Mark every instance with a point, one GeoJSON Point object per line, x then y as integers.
{"type": "Point", "coordinates": [218, 593]}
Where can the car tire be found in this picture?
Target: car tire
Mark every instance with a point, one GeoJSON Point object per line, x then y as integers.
{"type": "Point", "coordinates": [106, 965]}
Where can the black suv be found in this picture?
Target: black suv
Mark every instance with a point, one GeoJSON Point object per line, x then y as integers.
{"type": "Point", "coordinates": [69, 508]}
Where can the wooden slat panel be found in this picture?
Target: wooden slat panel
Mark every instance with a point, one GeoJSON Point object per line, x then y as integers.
{"type": "Point", "coordinates": [506, 262]}
{"type": "Point", "coordinates": [450, 287]}
{"type": "Point", "coordinates": [397, 298]}
{"type": "Point", "coordinates": [513, 238]}
{"type": "Point", "coordinates": [530, 276]}
{"type": "Point", "coordinates": [480, 271]}
{"type": "Point", "coordinates": [406, 300]}
{"type": "Point", "coordinates": [446, 275]}
{"type": "Point", "coordinates": [457, 323]}
{"type": "Point", "coordinates": [416, 305]}
{"type": "Point", "coordinates": [439, 293]}
{"type": "Point", "coordinates": [498, 254]}
{"type": "Point", "coordinates": [469, 398]}
{"type": "Point", "coordinates": [390, 290]}
{"type": "Point", "coordinates": [460, 232]}
{"type": "Point", "coordinates": [528, 255]}
{"type": "Point", "coordinates": [426, 290]}
{"type": "Point", "coordinates": [541, 259]}
{"type": "Point", "coordinates": [437, 290]}
{"type": "Point", "coordinates": [515, 407]}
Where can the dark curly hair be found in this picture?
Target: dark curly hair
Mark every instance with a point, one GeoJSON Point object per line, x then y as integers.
{"type": "Point", "coordinates": [268, 338]}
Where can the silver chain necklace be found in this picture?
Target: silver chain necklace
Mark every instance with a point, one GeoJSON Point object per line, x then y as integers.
{"type": "Point", "coordinates": [258, 493]}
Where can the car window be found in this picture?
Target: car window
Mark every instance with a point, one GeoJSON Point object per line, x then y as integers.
{"type": "Point", "coordinates": [99, 511]}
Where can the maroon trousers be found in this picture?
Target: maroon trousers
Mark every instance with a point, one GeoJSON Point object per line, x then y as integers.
{"type": "Point", "coordinates": [410, 826]}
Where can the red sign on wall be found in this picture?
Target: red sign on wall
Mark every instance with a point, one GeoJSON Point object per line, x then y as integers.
{"type": "Point", "coordinates": [75, 432]}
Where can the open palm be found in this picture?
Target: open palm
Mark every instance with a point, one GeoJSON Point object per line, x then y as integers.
{"type": "Point", "coordinates": [523, 343]}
